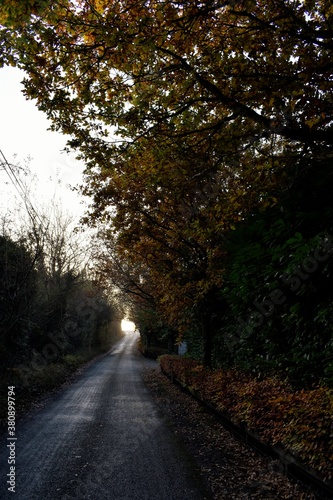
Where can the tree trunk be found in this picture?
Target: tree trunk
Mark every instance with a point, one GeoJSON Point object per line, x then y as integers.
{"type": "Point", "coordinates": [207, 334]}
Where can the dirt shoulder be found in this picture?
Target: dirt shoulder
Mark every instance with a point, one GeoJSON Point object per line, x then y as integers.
{"type": "Point", "coordinates": [229, 468]}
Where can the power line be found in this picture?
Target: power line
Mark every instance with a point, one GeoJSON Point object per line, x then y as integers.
{"type": "Point", "coordinates": [15, 180]}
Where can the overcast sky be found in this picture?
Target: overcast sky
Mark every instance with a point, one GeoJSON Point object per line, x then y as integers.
{"type": "Point", "coordinates": [23, 131]}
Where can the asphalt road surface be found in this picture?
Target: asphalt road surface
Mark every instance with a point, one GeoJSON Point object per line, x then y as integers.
{"type": "Point", "coordinates": [101, 438]}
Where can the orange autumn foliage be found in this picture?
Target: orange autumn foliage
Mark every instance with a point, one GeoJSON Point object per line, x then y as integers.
{"type": "Point", "coordinates": [299, 421]}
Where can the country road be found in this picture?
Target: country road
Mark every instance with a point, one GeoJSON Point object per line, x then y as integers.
{"type": "Point", "coordinates": [101, 438]}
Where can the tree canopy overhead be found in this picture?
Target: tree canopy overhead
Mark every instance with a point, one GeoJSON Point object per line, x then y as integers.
{"type": "Point", "coordinates": [197, 67]}
{"type": "Point", "coordinates": [247, 86]}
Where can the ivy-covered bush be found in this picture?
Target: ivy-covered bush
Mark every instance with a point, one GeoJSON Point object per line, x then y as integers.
{"type": "Point", "coordinates": [299, 421]}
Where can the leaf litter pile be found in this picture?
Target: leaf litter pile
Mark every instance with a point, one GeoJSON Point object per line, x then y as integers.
{"type": "Point", "coordinates": [229, 468]}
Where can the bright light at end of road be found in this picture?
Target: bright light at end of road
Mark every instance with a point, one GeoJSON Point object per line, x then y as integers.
{"type": "Point", "coordinates": [127, 326]}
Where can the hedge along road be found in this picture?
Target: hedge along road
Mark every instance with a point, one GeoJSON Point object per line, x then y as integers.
{"type": "Point", "coordinates": [101, 438]}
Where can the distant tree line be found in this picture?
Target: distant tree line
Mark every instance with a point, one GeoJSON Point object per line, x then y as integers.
{"type": "Point", "coordinates": [51, 305]}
